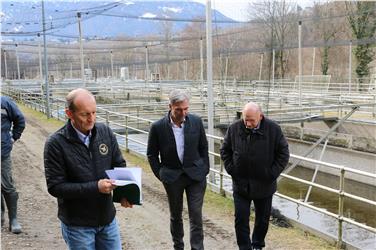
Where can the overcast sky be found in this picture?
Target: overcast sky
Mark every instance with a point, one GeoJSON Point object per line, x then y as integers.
{"type": "Point", "coordinates": [237, 9]}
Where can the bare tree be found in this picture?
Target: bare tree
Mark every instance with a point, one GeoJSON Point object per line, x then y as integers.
{"type": "Point", "coordinates": [280, 18]}
{"type": "Point", "coordinates": [326, 29]}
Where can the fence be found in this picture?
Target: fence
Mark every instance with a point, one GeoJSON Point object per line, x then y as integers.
{"type": "Point", "coordinates": [132, 124]}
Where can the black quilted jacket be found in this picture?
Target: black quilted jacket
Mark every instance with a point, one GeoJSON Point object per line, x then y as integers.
{"type": "Point", "coordinates": [72, 172]}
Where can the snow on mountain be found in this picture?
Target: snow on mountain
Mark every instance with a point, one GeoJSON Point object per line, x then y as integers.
{"type": "Point", "coordinates": [99, 18]}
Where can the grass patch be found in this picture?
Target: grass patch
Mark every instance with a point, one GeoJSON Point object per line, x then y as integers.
{"type": "Point", "coordinates": [40, 116]}
{"type": "Point", "coordinates": [218, 204]}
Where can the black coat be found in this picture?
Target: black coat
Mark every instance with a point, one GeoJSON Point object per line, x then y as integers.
{"type": "Point", "coordinates": [255, 158]}
{"type": "Point", "coordinates": [72, 172]}
{"type": "Point", "coordinates": [162, 143]}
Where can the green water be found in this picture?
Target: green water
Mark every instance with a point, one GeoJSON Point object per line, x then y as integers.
{"type": "Point", "coordinates": [356, 210]}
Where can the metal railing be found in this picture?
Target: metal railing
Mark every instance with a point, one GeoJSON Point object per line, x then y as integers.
{"type": "Point", "coordinates": [134, 124]}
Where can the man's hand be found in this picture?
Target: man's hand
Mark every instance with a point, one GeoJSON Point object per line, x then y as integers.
{"type": "Point", "coordinates": [125, 203]}
{"type": "Point", "coordinates": [106, 186]}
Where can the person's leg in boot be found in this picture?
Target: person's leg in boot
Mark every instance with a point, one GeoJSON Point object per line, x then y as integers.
{"type": "Point", "coordinates": [2, 211]}
{"type": "Point", "coordinates": [11, 200]}
{"type": "Point", "coordinates": [262, 216]}
{"type": "Point", "coordinates": [9, 193]}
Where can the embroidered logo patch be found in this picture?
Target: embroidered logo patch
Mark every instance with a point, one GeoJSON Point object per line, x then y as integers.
{"type": "Point", "coordinates": [103, 149]}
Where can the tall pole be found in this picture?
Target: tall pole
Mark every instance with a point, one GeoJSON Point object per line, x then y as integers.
{"type": "Point", "coordinates": [146, 63]}
{"type": "Point", "coordinates": [300, 63]}
{"type": "Point", "coordinates": [313, 60]}
{"type": "Point", "coordinates": [81, 47]}
{"type": "Point", "coordinates": [112, 64]}
{"type": "Point", "coordinates": [201, 65]}
{"type": "Point", "coordinates": [18, 63]}
{"type": "Point", "coordinates": [40, 58]}
{"type": "Point", "coordinates": [273, 67]}
{"type": "Point", "coordinates": [185, 69]}
{"type": "Point", "coordinates": [209, 76]}
{"type": "Point", "coordinates": [350, 65]}
{"type": "Point", "coordinates": [261, 61]}
{"type": "Point", "coordinates": [5, 64]}
{"type": "Point", "coordinates": [47, 90]}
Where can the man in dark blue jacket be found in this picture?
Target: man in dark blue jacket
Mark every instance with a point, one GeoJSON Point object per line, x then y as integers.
{"type": "Point", "coordinates": [178, 155]}
{"type": "Point", "coordinates": [75, 160]}
{"type": "Point", "coordinates": [254, 152]}
{"type": "Point", "coordinates": [12, 126]}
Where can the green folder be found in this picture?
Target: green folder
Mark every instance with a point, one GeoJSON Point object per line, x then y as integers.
{"type": "Point", "coordinates": [131, 192]}
{"type": "Point", "coordinates": [128, 182]}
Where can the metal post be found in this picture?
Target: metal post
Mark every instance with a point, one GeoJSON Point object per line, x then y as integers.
{"type": "Point", "coordinates": [40, 59]}
{"type": "Point", "coordinates": [146, 63]}
{"type": "Point", "coordinates": [201, 65]}
{"type": "Point", "coordinates": [18, 64]}
{"type": "Point", "coordinates": [300, 63]}
{"type": "Point", "coordinates": [221, 189]}
{"type": "Point", "coordinates": [177, 70]}
{"type": "Point", "coordinates": [126, 134]}
{"type": "Point", "coordinates": [5, 64]}
{"type": "Point", "coordinates": [112, 64]}
{"type": "Point", "coordinates": [47, 90]}
{"type": "Point", "coordinates": [261, 61]}
{"type": "Point", "coordinates": [81, 47]}
{"type": "Point", "coordinates": [88, 63]}
{"type": "Point", "coordinates": [350, 66]}
{"type": "Point", "coordinates": [313, 60]}
{"type": "Point", "coordinates": [226, 71]}
{"type": "Point", "coordinates": [107, 119]}
{"type": "Point", "coordinates": [316, 170]}
{"type": "Point", "coordinates": [273, 67]}
{"type": "Point", "coordinates": [185, 69]}
{"type": "Point", "coordinates": [71, 71]}
{"type": "Point", "coordinates": [209, 73]}
{"type": "Point", "coordinates": [340, 206]}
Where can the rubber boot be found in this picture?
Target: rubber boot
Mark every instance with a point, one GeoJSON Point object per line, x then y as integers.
{"type": "Point", "coordinates": [11, 200]}
{"type": "Point", "coordinates": [2, 211]}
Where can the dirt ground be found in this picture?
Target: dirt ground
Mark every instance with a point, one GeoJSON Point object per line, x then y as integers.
{"type": "Point", "coordinates": [142, 227]}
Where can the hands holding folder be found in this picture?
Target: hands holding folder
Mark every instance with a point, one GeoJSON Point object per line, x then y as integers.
{"type": "Point", "coordinates": [127, 186]}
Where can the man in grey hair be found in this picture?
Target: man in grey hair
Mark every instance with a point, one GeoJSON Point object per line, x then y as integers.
{"type": "Point", "coordinates": [178, 155]}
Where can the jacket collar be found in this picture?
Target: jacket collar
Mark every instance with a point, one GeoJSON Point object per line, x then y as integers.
{"type": "Point", "coordinates": [167, 119]}
{"type": "Point", "coordinates": [71, 134]}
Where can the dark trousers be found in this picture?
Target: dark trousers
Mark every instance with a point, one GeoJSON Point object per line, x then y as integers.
{"type": "Point", "coordinates": [242, 213]}
{"type": "Point", "coordinates": [7, 184]}
{"type": "Point", "coordinates": [195, 195]}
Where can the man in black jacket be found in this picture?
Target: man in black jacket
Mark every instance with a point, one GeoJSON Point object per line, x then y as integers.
{"type": "Point", "coordinates": [75, 160]}
{"type": "Point", "coordinates": [179, 140]}
{"type": "Point", "coordinates": [254, 152]}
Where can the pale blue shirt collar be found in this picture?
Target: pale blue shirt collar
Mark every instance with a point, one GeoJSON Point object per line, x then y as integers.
{"type": "Point", "coordinates": [84, 138]}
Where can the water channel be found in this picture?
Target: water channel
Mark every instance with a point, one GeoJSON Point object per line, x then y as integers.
{"type": "Point", "coordinates": [356, 210]}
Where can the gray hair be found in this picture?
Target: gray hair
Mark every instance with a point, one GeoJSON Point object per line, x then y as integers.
{"type": "Point", "coordinates": [71, 97]}
{"type": "Point", "coordinates": [178, 96]}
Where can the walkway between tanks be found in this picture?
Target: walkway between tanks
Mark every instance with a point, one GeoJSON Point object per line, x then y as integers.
{"type": "Point", "coordinates": [142, 228]}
